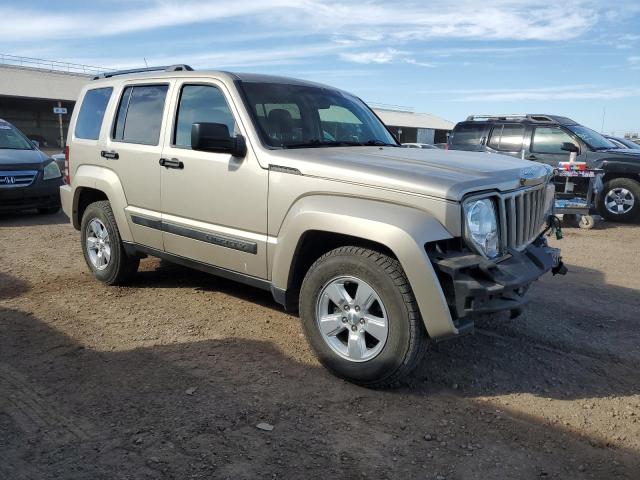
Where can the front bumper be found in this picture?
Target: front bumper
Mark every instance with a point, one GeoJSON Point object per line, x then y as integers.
{"type": "Point", "coordinates": [472, 284]}
{"type": "Point", "coordinates": [40, 194]}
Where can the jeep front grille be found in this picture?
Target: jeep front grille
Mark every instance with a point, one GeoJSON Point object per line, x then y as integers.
{"type": "Point", "coordinates": [17, 178]}
{"type": "Point", "coordinates": [521, 216]}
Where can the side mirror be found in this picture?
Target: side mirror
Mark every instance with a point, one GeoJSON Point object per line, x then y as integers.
{"type": "Point", "coordinates": [569, 147]}
{"type": "Point", "coordinates": [214, 137]}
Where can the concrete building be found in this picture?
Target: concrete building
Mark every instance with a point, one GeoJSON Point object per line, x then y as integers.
{"type": "Point", "coordinates": [410, 127]}
{"type": "Point", "coordinates": [30, 88]}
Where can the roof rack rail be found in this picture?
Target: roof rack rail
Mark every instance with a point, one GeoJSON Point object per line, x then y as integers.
{"type": "Point", "coordinates": [512, 116]}
{"type": "Point", "coordinates": [165, 68]}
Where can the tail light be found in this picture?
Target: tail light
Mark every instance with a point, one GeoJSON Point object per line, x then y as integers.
{"type": "Point", "coordinates": [67, 167]}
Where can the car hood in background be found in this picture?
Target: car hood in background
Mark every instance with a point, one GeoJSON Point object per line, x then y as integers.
{"type": "Point", "coordinates": [17, 159]}
{"type": "Point", "coordinates": [438, 173]}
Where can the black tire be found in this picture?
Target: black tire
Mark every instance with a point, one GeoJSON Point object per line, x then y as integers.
{"type": "Point", "coordinates": [121, 267]}
{"type": "Point", "coordinates": [406, 342]}
{"type": "Point", "coordinates": [570, 220]}
{"type": "Point", "coordinates": [628, 184]}
{"type": "Point", "coordinates": [48, 210]}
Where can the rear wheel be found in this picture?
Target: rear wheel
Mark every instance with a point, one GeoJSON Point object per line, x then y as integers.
{"type": "Point", "coordinates": [619, 200]}
{"type": "Point", "coordinates": [360, 317]}
{"type": "Point", "coordinates": [102, 246]}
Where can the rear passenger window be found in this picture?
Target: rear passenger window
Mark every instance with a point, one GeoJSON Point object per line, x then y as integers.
{"type": "Point", "coordinates": [200, 104]}
{"type": "Point", "coordinates": [139, 115]}
{"type": "Point", "coordinates": [507, 138]}
{"type": "Point", "coordinates": [91, 113]}
{"type": "Point", "coordinates": [468, 135]}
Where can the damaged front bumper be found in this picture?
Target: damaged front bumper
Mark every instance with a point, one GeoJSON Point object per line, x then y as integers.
{"type": "Point", "coordinates": [473, 284]}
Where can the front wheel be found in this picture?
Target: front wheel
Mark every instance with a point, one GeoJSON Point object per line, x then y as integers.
{"type": "Point", "coordinates": [361, 318]}
{"type": "Point", "coordinates": [102, 246]}
{"type": "Point", "coordinates": [619, 200]}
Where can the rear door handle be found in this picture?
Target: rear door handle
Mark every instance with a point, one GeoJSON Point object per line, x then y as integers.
{"type": "Point", "coordinates": [171, 163]}
{"type": "Point", "coordinates": [112, 155]}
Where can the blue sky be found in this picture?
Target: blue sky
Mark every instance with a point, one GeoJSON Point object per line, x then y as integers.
{"type": "Point", "coordinates": [450, 58]}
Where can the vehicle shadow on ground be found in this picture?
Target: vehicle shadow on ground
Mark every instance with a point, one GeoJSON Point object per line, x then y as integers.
{"type": "Point", "coordinates": [32, 218]}
{"type": "Point", "coordinates": [580, 342]}
{"type": "Point", "coordinates": [156, 273]}
{"type": "Point", "coordinates": [11, 286]}
{"type": "Point", "coordinates": [578, 339]}
{"type": "Point", "coordinates": [190, 410]}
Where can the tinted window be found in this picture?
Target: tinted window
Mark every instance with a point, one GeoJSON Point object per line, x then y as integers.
{"type": "Point", "coordinates": [140, 114]}
{"type": "Point", "coordinates": [549, 140]}
{"type": "Point", "coordinates": [200, 104]}
{"type": "Point", "coordinates": [302, 116]}
{"type": "Point", "coordinates": [507, 138]}
{"type": "Point", "coordinates": [467, 134]}
{"type": "Point", "coordinates": [91, 113]}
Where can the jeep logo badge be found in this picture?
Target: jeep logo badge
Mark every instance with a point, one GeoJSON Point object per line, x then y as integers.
{"type": "Point", "coordinates": [529, 173]}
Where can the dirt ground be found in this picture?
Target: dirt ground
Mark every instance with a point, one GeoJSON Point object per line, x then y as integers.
{"type": "Point", "coordinates": [169, 377]}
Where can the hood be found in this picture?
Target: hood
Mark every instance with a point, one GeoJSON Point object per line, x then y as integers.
{"type": "Point", "coordinates": [622, 152]}
{"type": "Point", "coordinates": [448, 174]}
{"type": "Point", "coordinates": [21, 159]}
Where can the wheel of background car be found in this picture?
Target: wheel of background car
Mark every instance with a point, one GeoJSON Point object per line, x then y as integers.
{"type": "Point", "coordinates": [360, 317]}
{"type": "Point", "coordinates": [619, 200]}
{"type": "Point", "coordinates": [102, 247]}
{"type": "Point", "coordinates": [586, 222]}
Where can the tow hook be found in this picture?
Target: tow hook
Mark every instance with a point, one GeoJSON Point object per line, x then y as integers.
{"type": "Point", "coordinates": [560, 268]}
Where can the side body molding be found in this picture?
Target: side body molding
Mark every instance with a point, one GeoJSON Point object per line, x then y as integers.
{"type": "Point", "coordinates": [404, 230]}
{"type": "Point", "coordinates": [106, 181]}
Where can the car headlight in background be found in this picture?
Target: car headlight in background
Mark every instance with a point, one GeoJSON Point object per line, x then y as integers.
{"type": "Point", "coordinates": [51, 171]}
{"type": "Point", "coordinates": [482, 227]}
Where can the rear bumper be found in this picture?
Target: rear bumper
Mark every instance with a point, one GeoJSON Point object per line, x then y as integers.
{"type": "Point", "coordinates": [473, 284]}
{"type": "Point", "coordinates": [66, 198]}
{"type": "Point", "coordinates": [41, 194]}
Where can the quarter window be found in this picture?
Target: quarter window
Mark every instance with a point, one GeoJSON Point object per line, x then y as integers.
{"type": "Point", "coordinates": [91, 113]}
{"type": "Point", "coordinates": [549, 140]}
{"type": "Point", "coordinates": [200, 104]}
{"type": "Point", "coordinates": [139, 115]}
{"type": "Point", "coordinates": [507, 138]}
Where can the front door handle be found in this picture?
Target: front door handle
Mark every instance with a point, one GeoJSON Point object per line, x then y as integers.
{"type": "Point", "coordinates": [171, 163]}
{"type": "Point", "coordinates": [112, 155]}
{"type": "Point", "coordinates": [532, 157]}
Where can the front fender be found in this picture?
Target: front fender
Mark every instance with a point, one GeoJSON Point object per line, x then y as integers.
{"type": "Point", "coordinates": [404, 230]}
{"type": "Point", "coordinates": [106, 181]}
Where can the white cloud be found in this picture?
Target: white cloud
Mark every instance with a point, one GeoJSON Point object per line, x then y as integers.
{"type": "Point", "coordinates": [566, 92]}
{"type": "Point", "coordinates": [370, 20]}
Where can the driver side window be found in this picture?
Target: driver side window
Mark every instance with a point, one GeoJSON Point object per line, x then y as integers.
{"type": "Point", "coordinates": [200, 104]}
{"type": "Point", "coordinates": [549, 140]}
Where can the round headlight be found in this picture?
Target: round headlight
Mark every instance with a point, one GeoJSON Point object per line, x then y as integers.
{"type": "Point", "coordinates": [482, 227]}
{"type": "Point", "coordinates": [51, 170]}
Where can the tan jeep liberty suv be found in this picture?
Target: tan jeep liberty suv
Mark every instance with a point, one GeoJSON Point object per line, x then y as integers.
{"type": "Point", "coordinates": [298, 188]}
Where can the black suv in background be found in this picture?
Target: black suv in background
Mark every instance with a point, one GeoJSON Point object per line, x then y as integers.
{"type": "Point", "coordinates": [29, 179]}
{"type": "Point", "coordinates": [550, 139]}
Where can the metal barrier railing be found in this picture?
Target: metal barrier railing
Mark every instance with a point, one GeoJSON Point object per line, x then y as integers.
{"type": "Point", "coordinates": [50, 65]}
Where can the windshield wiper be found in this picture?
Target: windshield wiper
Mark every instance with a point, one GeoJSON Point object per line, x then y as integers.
{"type": "Point", "coordinates": [379, 143]}
{"type": "Point", "coordinates": [336, 143]}
{"type": "Point", "coordinates": [321, 143]}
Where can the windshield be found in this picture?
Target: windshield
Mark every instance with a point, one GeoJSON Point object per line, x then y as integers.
{"type": "Point", "coordinates": [301, 116]}
{"type": "Point", "coordinates": [591, 138]}
{"type": "Point", "coordinates": [13, 139]}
